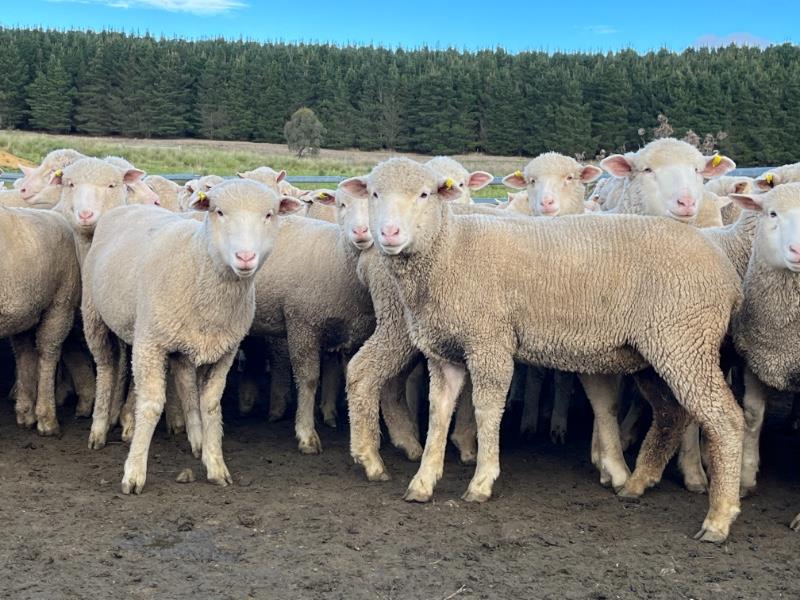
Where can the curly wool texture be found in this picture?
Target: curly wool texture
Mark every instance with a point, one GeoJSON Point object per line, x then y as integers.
{"type": "Point", "coordinates": [770, 312]}
{"type": "Point", "coordinates": [735, 240]}
{"type": "Point", "coordinates": [166, 190]}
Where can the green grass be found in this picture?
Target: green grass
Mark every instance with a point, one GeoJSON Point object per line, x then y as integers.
{"type": "Point", "coordinates": [224, 158]}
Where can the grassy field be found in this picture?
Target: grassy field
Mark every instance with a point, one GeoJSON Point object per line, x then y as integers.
{"type": "Point", "coordinates": [224, 158]}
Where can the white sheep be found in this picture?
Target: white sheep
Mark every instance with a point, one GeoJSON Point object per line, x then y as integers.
{"type": "Point", "coordinates": [35, 179]}
{"type": "Point", "coordinates": [166, 190]}
{"type": "Point", "coordinates": [465, 313]}
{"type": "Point", "coordinates": [138, 190]}
{"type": "Point", "coordinates": [193, 190]}
{"type": "Point", "coordinates": [778, 176]}
{"type": "Point", "coordinates": [142, 259]}
{"type": "Point", "coordinates": [462, 180]}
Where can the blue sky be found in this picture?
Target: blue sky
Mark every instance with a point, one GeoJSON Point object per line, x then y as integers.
{"type": "Point", "coordinates": [516, 24]}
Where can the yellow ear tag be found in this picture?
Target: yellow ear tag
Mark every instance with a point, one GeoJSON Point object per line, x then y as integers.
{"type": "Point", "coordinates": [716, 160]}
{"type": "Point", "coordinates": [768, 178]}
{"type": "Point", "coordinates": [59, 173]}
{"type": "Point", "coordinates": [201, 196]}
{"type": "Point", "coordinates": [449, 183]}
{"type": "Point", "coordinates": [322, 196]}
{"type": "Point", "coordinates": [518, 174]}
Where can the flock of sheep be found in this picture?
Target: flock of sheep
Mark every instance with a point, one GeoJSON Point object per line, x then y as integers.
{"type": "Point", "coordinates": [175, 282]}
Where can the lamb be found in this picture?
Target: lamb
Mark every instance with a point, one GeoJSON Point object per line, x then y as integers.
{"type": "Point", "coordinates": [730, 184]}
{"type": "Point", "coordinates": [166, 190]}
{"type": "Point", "coordinates": [188, 195]}
{"type": "Point", "coordinates": [517, 202]}
{"type": "Point", "coordinates": [47, 198]}
{"type": "Point", "coordinates": [439, 264]}
{"type": "Point", "coordinates": [141, 260]}
{"type": "Point", "coordinates": [35, 179]}
{"type": "Point", "coordinates": [338, 320]}
{"type": "Point", "coordinates": [138, 191]}
{"type": "Point", "coordinates": [39, 297]}
{"type": "Point", "coordinates": [770, 314]}
{"type": "Point", "coordinates": [778, 176]}
{"type": "Point", "coordinates": [463, 180]}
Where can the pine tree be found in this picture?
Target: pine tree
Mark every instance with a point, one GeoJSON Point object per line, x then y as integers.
{"type": "Point", "coordinates": [50, 98]}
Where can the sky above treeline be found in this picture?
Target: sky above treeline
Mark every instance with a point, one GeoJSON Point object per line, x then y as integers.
{"type": "Point", "coordinates": [515, 25]}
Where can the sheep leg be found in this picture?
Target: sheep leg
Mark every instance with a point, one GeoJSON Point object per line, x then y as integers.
{"type": "Point", "coordinates": [398, 420]}
{"type": "Point", "coordinates": [101, 344]}
{"type": "Point", "coordinates": [561, 401]}
{"type": "Point", "coordinates": [491, 378]}
{"type": "Point", "coordinates": [254, 349]}
{"type": "Point", "coordinates": [79, 367]}
{"type": "Point", "coordinates": [601, 390]}
{"type": "Point", "coordinates": [184, 377]}
{"type": "Point", "coordinates": [417, 378]}
{"type": "Point", "coordinates": [465, 431]}
{"type": "Point", "coordinates": [331, 383]}
{"type": "Point", "coordinates": [211, 418]}
{"type": "Point", "coordinates": [516, 393]}
{"type": "Point", "coordinates": [172, 408]}
{"type": "Point", "coordinates": [280, 384]}
{"type": "Point", "coordinates": [755, 400]}
{"type": "Point", "coordinates": [24, 392]}
{"type": "Point", "coordinates": [63, 386]}
{"type": "Point", "coordinates": [631, 422]}
{"type": "Point", "coordinates": [304, 352]}
{"type": "Point", "coordinates": [119, 397]}
{"type": "Point", "coordinates": [383, 356]}
{"type": "Point", "coordinates": [149, 374]}
{"type": "Point", "coordinates": [662, 439]}
{"type": "Point", "coordinates": [534, 379]}
{"type": "Point", "coordinates": [690, 462]}
{"type": "Point", "coordinates": [127, 414]}
{"type": "Point", "coordinates": [447, 380]}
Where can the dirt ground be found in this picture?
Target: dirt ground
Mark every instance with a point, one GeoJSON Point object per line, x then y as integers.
{"type": "Point", "coordinates": [297, 526]}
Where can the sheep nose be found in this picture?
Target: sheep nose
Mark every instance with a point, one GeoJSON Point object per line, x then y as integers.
{"type": "Point", "coordinates": [390, 231]}
{"type": "Point", "coordinates": [360, 230]}
{"type": "Point", "coordinates": [245, 256]}
{"type": "Point", "coordinates": [85, 214]}
{"type": "Point", "coordinates": [686, 201]}
{"type": "Point", "coordinates": [794, 249]}
{"type": "Point", "coordinates": [548, 201]}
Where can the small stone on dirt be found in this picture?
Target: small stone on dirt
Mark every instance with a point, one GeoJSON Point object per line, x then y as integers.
{"type": "Point", "coordinates": [249, 520]}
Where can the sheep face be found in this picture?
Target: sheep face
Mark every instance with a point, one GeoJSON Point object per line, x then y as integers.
{"type": "Point", "coordinates": [778, 236]}
{"type": "Point", "coordinates": [188, 195]}
{"type": "Point", "coordinates": [166, 190]}
{"type": "Point", "coordinates": [265, 175]}
{"type": "Point", "coordinates": [141, 193]}
{"type": "Point", "coordinates": [464, 181]}
{"type": "Point", "coordinates": [352, 215]}
{"type": "Point", "coordinates": [404, 203]}
{"type": "Point", "coordinates": [242, 223]}
{"type": "Point", "coordinates": [556, 184]}
{"type": "Point", "coordinates": [668, 176]}
{"type": "Point", "coordinates": [91, 187]}
{"type": "Point", "coordinates": [36, 179]}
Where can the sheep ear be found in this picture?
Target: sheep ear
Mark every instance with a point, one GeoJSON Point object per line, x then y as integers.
{"type": "Point", "coordinates": [200, 202]}
{"type": "Point", "coordinates": [132, 175]}
{"type": "Point", "coordinates": [479, 179]}
{"type": "Point", "coordinates": [617, 165]}
{"type": "Point", "coordinates": [741, 187]}
{"type": "Point", "coordinates": [717, 165]}
{"type": "Point", "coordinates": [289, 205]}
{"type": "Point", "coordinates": [766, 181]}
{"type": "Point", "coordinates": [748, 201]}
{"type": "Point", "coordinates": [57, 177]}
{"type": "Point", "coordinates": [589, 173]}
{"type": "Point", "coordinates": [516, 181]}
{"type": "Point", "coordinates": [448, 190]}
{"type": "Point", "coordinates": [188, 187]}
{"type": "Point", "coordinates": [241, 175]}
{"type": "Point", "coordinates": [326, 197]}
{"type": "Point", "coordinates": [26, 171]}
{"type": "Point", "coordinates": [280, 176]}
{"type": "Point", "coordinates": [355, 186]}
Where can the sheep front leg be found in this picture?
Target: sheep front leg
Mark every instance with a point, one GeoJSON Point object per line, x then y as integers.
{"type": "Point", "coordinates": [755, 400]}
{"type": "Point", "coordinates": [330, 386]}
{"type": "Point", "coordinates": [79, 367]}
{"type": "Point", "coordinates": [101, 344]}
{"type": "Point", "coordinates": [184, 377]}
{"type": "Point", "coordinates": [127, 414]}
{"type": "Point", "coordinates": [465, 430]}
{"type": "Point", "coordinates": [280, 378]}
{"type": "Point", "coordinates": [447, 380]}
{"type": "Point", "coordinates": [304, 352]}
{"type": "Point", "coordinates": [399, 424]}
{"type": "Point", "coordinates": [562, 382]}
{"type": "Point", "coordinates": [416, 380]}
{"type": "Point", "coordinates": [690, 461]}
{"type": "Point", "coordinates": [24, 392]}
{"type": "Point", "coordinates": [601, 390]}
{"type": "Point", "coordinates": [491, 377]}
{"type": "Point", "coordinates": [149, 374]}
{"type": "Point", "coordinates": [211, 418]}
{"type": "Point", "coordinates": [534, 379]}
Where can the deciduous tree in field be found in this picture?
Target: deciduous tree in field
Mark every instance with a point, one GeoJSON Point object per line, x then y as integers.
{"type": "Point", "coordinates": [304, 132]}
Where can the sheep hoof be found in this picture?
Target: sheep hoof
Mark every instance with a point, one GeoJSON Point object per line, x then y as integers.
{"type": "Point", "coordinates": [311, 446]}
{"type": "Point", "coordinates": [274, 417]}
{"type": "Point", "coordinates": [413, 453]}
{"type": "Point", "coordinates": [127, 433]}
{"type": "Point", "coordinates": [223, 481]}
{"type": "Point", "coordinates": [558, 434]}
{"type": "Point", "coordinates": [83, 411]}
{"type": "Point", "coordinates": [696, 487]}
{"type": "Point", "coordinates": [131, 485]}
{"type": "Point", "coordinates": [710, 535]}
{"type": "Point", "coordinates": [473, 496]}
{"type": "Point", "coordinates": [468, 458]}
{"type": "Point", "coordinates": [96, 441]}
{"type": "Point", "coordinates": [746, 490]}
{"type": "Point", "coordinates": [627, 493]}
{"type": "Point", "coordinates": [26, 420]}
{"type": "Point", "coordinates": [48, 429]}
{"type": "Point", "coordinates": [330, 421]}
{"type": "Point", "coordinates": [795, 524]}
{"type": "Point", "coordinates": [414, 494]}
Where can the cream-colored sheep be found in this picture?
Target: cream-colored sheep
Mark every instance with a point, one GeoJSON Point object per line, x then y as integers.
{"type": "Point", "coordinates": [464, 181]}
{"type": "Point", "coordinates": [517, 202]}
{"type": "Point", "coordinates": [138, 191]}
{"type": "Point", "coordinates": [168, 285]}
{"type": "Point", "coordinates": [166, 190]}
{"type": "Point", "coordinates": [191, 192]}
{"type": "Point", "coordinates": [768, 322]}
{"type": "Point", "coordinates": [444, 264]}
{"type": "Point", "coordinates": [39, 297]}
{"type": "Point", "coordinates": [45, 199]}
{"type": "Point", "coordinates": [730, 184]}
{"type": "Point", "coordinates": [36, 179]}
{"type": "Point", "coordinates": [778, 176]}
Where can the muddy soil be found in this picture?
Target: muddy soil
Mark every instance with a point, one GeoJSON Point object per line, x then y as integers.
{"type": "Point", "coordinates": [297, 526]}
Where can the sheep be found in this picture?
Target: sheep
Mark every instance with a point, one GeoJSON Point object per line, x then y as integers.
{"type": "Point", "coordinates": [444, 264]}
{"type": "Point", "coordinates": [341, 318]}
{"type": "Point", "coordinates": [778, 176]}
{"type": "Point", "coordinates": [142, 259]}
{"type": "Point", "coordinates": [770, 313]}
{"type": "Point", "coordinates": [138, 191]}
{"type": "Point", "coordinates": [39, 298]}
{"type": "Point", "coordinates": [35, 179]}
{"type": "Point", "coordinates": [166, 190]}
{"type": "Point", "coordinates": [730, 184]}
{"type": "Point", "coordinates": [608, 192]}
{"type": "Point", "coordinates": [517, 202]}
{"type": "Point", "coordinates": [463, 180]}
{"type": "Point", "coordinates": [188, 195]}
{"type": "Point", "coordinates": [47, 198]}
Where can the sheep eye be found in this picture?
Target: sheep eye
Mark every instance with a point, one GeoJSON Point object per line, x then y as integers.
{"type": "Point", "coordinates": [423, 195]}
{"type": "Point", "coordinates": [570, 177]}
{"type": "Point", "coordinates": [374, 194]}
{"type": "Point", "coordinates": [72, 185]}
{"type": "Point", "coordinates": [219, 213]}
{"type": "Point", "coordinates": [773, 214]}
{"type": "Point", "coordinates": [343, 205]}
{"type": "Point", "coordinates": [269, 215]}
{"type": "Point", "coordinates": [532, 182]}
{"type": "Point", "coordinates": [111, 185]}
{"type": "Point", "coordinates": [648, 170]}
{"type": "Point", "coordinates": [461, 185]}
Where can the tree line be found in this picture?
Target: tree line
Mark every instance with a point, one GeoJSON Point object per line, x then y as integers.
{"type": "Point", "coordinates": [422, 100]}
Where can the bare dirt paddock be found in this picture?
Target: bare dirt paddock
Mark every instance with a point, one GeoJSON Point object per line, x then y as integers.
{"type": "Point", "coordinates": [297, 526]}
